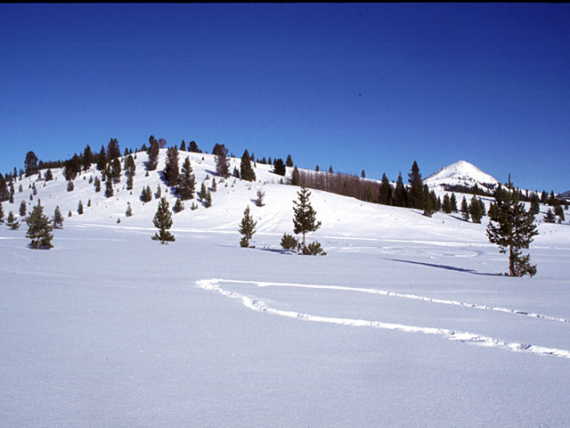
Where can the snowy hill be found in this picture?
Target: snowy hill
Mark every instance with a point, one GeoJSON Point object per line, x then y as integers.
{"type": "Point", "coordinates": [565, 195]}
{"type": "Point", "coordinates": [461, 173]}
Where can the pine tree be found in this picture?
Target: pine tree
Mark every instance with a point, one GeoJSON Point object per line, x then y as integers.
{"type": "Point", "coordinates": [129, 211]}
{"type": "Point", "coordinates": [57, 219]}
{"type": "Point", "coordinates": [187, 181]}
{"type": "Point", "coordinates": [1, 213]}
{"type": "Point", "coordinates": [400, 193]}
{"type": "Point", "coordinates": [129, 180]}
{"type": "Point", "coordinates": [178, 206]}
{"type": "Point", "coordinates": [512, 229]}
{"type": "Point", "coordinates": [115, 171]}
{"type": "Point", "coordinates": [446, 206]}
{"type": "Point", "coordinates": [475, 210]}
{"type": "Point", "coordinates": [279, 167]}
{"type": "Point", "coordinates": [163, 222]}
{"type": "Point", "coordinates": [113, 149]}
{"type": "Point", "coordinates": [49, 175]}
{"type": "Point", "coordinates": [465, 209]}
{"type": "Point", "coordinates": [534, 204]}
{"type": "Point", "coordinates": [295, 177]}
{"type": "Point", "coordinates": [416, 193]}
{"type": "Point", "coordinates": [203, 191]}
{"type": "Point", "coordinates": [87, 158]}
{"type": "Point", "coordinates": [246, 228]}
{"type": "Point", "coordinates": [222, 162]}
{"type": "Point", "coordinates": [453, 201]}
{"type": "Point", "coordinates": [70, 186]}
{"type": "Point", "coordinates": [23, 209]}
{"type": "Point", "coordinates": [158, 193]}
{"type": "Point", "coordinates": [102, 159]}
{"type": "Point", "coordinates": [11, 221]}
{"type": "Point", "coordinates": [559, 212]}
{"type": "Point", "coordinates": [214, 185]}
{"type": "Point", "coordinates": [153, 152]}
{"type": "Point", "coordinates": [39, 229]}
{"type": "Point", "coordinates": [208, 199]}
{"type": "Point", "coordinates": [146, 194]}
{"type": "Point", "coordinates": [429, 203]}
{"type": "Point", "coordinates": [549, 217]}
{"type": "Point", "coordinates": [289, 161]}
{"type": "Point", "coordinates": [171, 168]}
{"type": "Point", "coordinates": [246, 170]}
{"type": "Point", "coordinates": [304, 219]}
{"type": "Point", "coordinates": [108, 187]}
{"type": "Point", "coordinates": [80, 208]}
{"type": "Point", "coordinates": [193, 147]}
{"type": "Point", "coordinates": [183, 146]}
{"type": "Point", "coordinates": [259, 200]}
{"type": "Point", "coordinates": [97, 184]}
{"type": "Point", "coordinates": [69, 214]}
{"type": "Point", "coordinates": [385, 191]}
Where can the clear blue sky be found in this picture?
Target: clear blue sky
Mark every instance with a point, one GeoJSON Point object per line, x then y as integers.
{"type": "Point", "coordinates": [354, 86]}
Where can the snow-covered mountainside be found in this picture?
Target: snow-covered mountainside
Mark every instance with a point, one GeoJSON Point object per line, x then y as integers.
{"type": "Point", "coordinates": [461, 173]}
{"type": "Point", "coordinates": [565, 195]}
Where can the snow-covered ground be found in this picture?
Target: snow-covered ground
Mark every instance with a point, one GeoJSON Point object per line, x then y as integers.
{"type": "Point", "coordinates": [405, 322]}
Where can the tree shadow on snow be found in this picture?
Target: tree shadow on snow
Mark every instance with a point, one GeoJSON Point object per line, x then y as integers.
{"type": "Point", "coordinates": [446, 267]}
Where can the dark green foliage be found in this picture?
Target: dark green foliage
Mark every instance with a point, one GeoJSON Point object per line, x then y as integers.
{"type": "Point", "coordinates": [429, 203]}
{"type": "Point", "coordinates": [146, 194]}
{"type": "Point", "coordinates": [193, 147]}
{"type": "Point", "coordinates": [549, 217]}
{"type": "Point", "coordinates": [246, 228]}
{"type": "Point", "coordinates": [400, 198]}
{"type": "Point", "coordinates": [289, 161]}
{"type": "Point", "coordinates": [72, 168]}
{"type": "Point", "coordinates": [102, 159]}
{"type": "Point", "coordinates": [214, 187]}
{"type": "Point", "coordinates": [203, 191]}
{"type": "Point", "coordinates": [453, 201]}
{"type": "Point", "coordinates": [304, 219]}
{"type": "Point", "coordinates": [108, 187]}
{"type": "Point", "coordinates": [171, 171]}
{"type": "Point", "coordinates": [23, 208]}
{"type": "Point", "coordinates": [129, 181]}
{"type": "Point", "coordinates": [11, 221]}
{"type": "Point", "coordinates": [39, 229]}
{"type": "Point", "coordinates": [475, 210]}
{"type": "Point", "coordinates": [87, 159]}
{"type": "Point", "coordinates": [362, 174]}
{"type": "Point", "coordinates": [115, 171]}
{"type": "Point", "coordinates": [187, 181]}
{"type": "Point", "coordinates": [89, 203]}
{"type": "Point", "coordinates": [279, 167]}
{"type": "Point", "coordinates": [207, 200]}
{"type": "Point", "coordinates": [57, 219]}
{"type": "Point", "coordinates": [129, 211]}
{"type": "Point", "coordinates": [48, 176]}
{"type": "Point", "coordinates": [31, 164]}
{"type": "Point", "coordinates": [178, 206]}
{"type": "Point", "coordinates": [314, 249]}
{"type": "Point", "coordinates": [534, 204]}
{"type": "Point", "coordinates": [97, 184]}
{"type": "Point", "coordinates": [1, 213]}
{"type": "Point", "coordinates": [246, 170]}
{"type": "Point", "coordinates": [295, 178]}
{"type": "Point", "coordinates": [446, 205]}
{"type": "Point", "coordinates": [113, 150]}
{"type": "Point", "coordinates": [512, 229]}
{"type": "Point", "coordinates": [464, 209]}
{"type": "Point", "coordinates": [183, 146]}
{"type": "Point", "coordinates": [330, 171]}
{"type": "Point", "coordinates": [158, 193]}
{"type": "Point", "coordinates": [80, 208]}
{"type": "Point", "coordinates": [222, 162]}
{"type": "Point", "coordinates": [235, 173]}
{"type": "Point", "coordinates": [288, 242]}
{"type": "Point", "coordinates": [70, 186]}
{"type": "Point", "coordinates": [153, 151]}
{"type": "Point", "coordinates": [559, 212]}
{"type": "Point", "coordinates": [416, 193]}
{"type": "Point", "coordinates": [163, 222]}
{"type": "Point", "coordinates": [386, 191]}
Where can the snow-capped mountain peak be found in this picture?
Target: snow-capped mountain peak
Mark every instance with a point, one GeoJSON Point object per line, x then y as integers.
{"type": "Point", "coordinates": [461, 173]}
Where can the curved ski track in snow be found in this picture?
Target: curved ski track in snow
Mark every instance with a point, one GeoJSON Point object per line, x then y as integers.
{"type": "Point", "coordinates": [454, 335]}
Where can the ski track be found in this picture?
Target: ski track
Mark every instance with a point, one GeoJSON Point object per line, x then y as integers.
{"type": "Point", "coordinates": [453, 335]}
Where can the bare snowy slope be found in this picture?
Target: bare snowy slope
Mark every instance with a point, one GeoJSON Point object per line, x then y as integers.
{"type": "Point", "coordinates": [461, 173]}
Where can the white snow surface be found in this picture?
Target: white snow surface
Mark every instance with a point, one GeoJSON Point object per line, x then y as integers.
{"type": "Point", "coordinates": [461, 173]}
{"type": "Point", "coordinates": [406, 322]}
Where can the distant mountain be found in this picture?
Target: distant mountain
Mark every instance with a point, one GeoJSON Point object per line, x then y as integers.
{"type": "Point", "coordinates": [461, 174]}
{"type": "Point", "coordinates": [565, 195]}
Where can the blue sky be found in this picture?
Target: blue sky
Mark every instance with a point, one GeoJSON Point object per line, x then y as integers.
{"type": "Point", "coordinates": [354, 86]}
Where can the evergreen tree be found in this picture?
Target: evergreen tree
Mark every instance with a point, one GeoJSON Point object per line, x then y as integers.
{"type": "Point", "coordinates": [153, 152]}
{"type": "Point", "coordinates": [97, 184]}
{"type": "Point", "coordinates": [246, 170]}
{"type": "Point", "coordinates": [429, 202]}
{"type": "Point", "coordinates": [49, 175]}
{"type": "Point", "coordinates": [235, 173]}
{"type": "Point", "coordinates": [534, 204]}
{"type": "Point", "coordinates": [222, 162]}
{"type": "Point", "coordinates": [214, 185]}
{"type": "Point", "coordinates": [549, 217]}
{"type": "Point", "coordinates": [31, 164]}
{"type": "Point", "coordinates": [400, 193]}
{"type": "Point", "coordinates": [102, 159]}
{"type": "Point", "coordinates": [559, 212]}
{"type": "Point", "coordinates": [446, 206]}
{"type": "Point", "coordinates": [208, 199]}
{"type": "Point", "coordinates": [512, 229]}
{"type": "Point", "coordinates": [1, 213]}
{"type": "Point", "coordinates": [158, 193]}
{"type": "Point", "coordinates": [129, 211]}
{"type": "Point", "coordinates": [385, 191]}
{"type": "Point", "coordinates": [129, 181]}
{"type": "Point", "coordinates": [187, 181]}
{"type": "Point", "coordinates": [69, 213]}
{"type": "Point", "coordinates": [70, 186]}
{"type": "Point", "coordinates": [11, 221]}
{"type": "Point", "coordinates": [146, 195]}
{"type": "Point", "coordinates": [246, 228]}
{"type": "Point", "coordinates": [87, 158]}
{"type": "Point", "coordinates": [178, 206]}
{"type": "Point", "coordinates": [194, 147]}
{"type": "Point", "coordinates": [89, 203]}
{"type": "Point", "coordinates": [163, 222]}
{"type": "Point", "coordinates": [80, 208]}
{"type": "Point", "coordinates": [465, 209]}
{"type": "Point", "coordinates": [113, 150]}
{"type": "Point", "coordinates": [279, 167]}
{"type": "Point", "coordinates": [416, 193]}
{"type": "Point", "coordinates": [115, 171]}
{"type": "Point", "coordinates": [331, 170]}
{"type": "Point", "coordinates": [39, 229]}
{"type": "Point", "coordinates": [453, 201]}
{"type": "Point", "coordinates": [203, 191]}
{"type": "Point", "coordinates": [108, 187]}
{"type": "Point", "coordinates": [475, 210]}
{"type": "Point", "coordinates": [362, 174]}
{"type": "Point", "coordinates": [304, 219]}
{"type": "Point", "coordinates": [23, 208]}
{"type": "Point", "coordinates": [171, 168]}
{"type": "Point", "coordinates": [295, 177]}
{"type": "Point", "coordinates": [57, 219]}
{"type": "Point", "coordinates": [289, 161]}
{"type": "Point", "coordinates": [183, 146]}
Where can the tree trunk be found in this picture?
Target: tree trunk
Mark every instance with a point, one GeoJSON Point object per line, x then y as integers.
{"type": "Point", "coordinates": [511, 262]}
